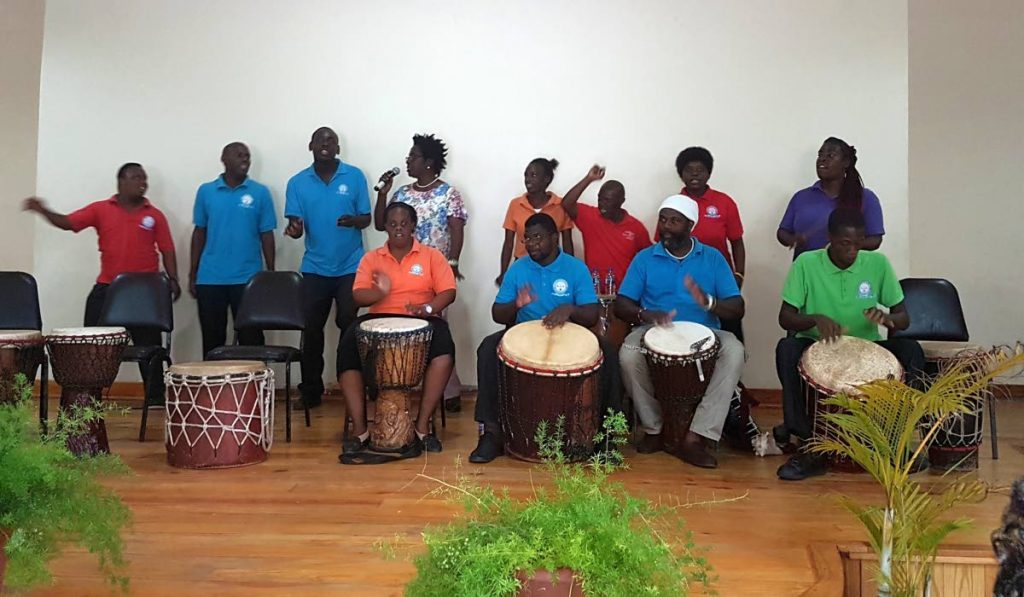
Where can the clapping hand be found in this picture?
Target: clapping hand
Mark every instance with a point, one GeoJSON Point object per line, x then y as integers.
{"type": "Point", "coordinates": [382, 281]}
{"type": "Point", "coordinates": [595, 174]}
{"type": "Point", "coordinates": [524, 296]}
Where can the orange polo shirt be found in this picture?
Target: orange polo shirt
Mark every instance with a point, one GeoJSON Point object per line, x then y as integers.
{"type": "Point", "coordinates": [520, 210]}
{"type": "Point", "coordinates": [423, 274]}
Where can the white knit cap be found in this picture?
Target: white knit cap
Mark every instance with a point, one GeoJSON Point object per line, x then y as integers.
{"type": "Point", "coordinates": [682, 204]}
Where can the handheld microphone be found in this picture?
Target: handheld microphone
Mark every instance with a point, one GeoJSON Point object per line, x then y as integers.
{"type": "Point", "coordinates": [393, 172]}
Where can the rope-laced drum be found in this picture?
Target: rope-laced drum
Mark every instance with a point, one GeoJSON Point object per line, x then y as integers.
{"type": "Point", "coordinates": [957, 441]}
{"type": "Point", "coordinates": [21, 351]}
{"type": "Point", "coordinates": [393, 351]}
{"type": "Point", "coordinates": [219, 413]}
{"type": "Point", "coordinates": [546, 374]}
{"type": "Point", "coordinates": [84, 361]}
{"type": "Point", "coordinates": [681, 358]}
{"type": "Point", "coordinates": [830, 368]}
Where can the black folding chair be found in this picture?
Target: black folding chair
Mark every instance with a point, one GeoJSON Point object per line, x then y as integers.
{"type": "Point", "coordinates": [937, 315]}
{"type": "Point", "coordinates": [271, 301]}
{"type": "Point", "coordinates": [19, 310]}
{"type": "Point", "coordinates": [141, 302]}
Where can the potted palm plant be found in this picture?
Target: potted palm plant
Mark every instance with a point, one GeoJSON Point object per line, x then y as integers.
{"type": "Point", "coordinates": [582, 534]}
{"type": "Point", "coordinates": [877, 430]}
{"type": "Point", "coordinates": [49, 498]}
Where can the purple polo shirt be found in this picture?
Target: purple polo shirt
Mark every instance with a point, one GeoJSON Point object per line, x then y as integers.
{"type": "Point", "coordinates": [808, 212]}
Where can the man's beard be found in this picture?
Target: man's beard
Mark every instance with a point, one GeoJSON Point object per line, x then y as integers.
{"type": "Point", "coordinates": [675, 243]}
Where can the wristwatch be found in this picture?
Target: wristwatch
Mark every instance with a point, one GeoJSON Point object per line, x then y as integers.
{"type": "Point", "coordinates": [428, 309]}
{"type": "Point", "coordinates": [453, 262]}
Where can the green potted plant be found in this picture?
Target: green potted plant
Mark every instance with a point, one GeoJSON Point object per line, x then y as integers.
{"type": "Point", "coordinates": [877, 430]}
{"type": "Point", "coordinates": [583, 534]}
{"type": "Point", "coordinates": [49, 498]}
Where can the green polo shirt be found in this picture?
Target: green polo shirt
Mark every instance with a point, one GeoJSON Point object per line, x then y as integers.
{"type": "Point", "coordinates": [815, 286]}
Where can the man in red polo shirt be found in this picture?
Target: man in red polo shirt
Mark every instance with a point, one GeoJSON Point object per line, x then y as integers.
{"type": "Point", "coordinates": [611, 237]}
{"type": "Point", "coordinates": [130, 232]}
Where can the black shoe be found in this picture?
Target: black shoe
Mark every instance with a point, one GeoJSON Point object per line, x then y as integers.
{"type": "Point", "coordinates": [487, 449]}
{"type": "Point", "coordinates": [353, 444]}
{"type": "Point", "coordinates": [430, 443]}
{"type": "Point", "coordinates": [650, 444]}
{"type": "Point", "coordinates": [802, 466]}
{"type": "Point", "coordinates": [301, 403]}
{"type": "Point", "coordinates": [453, 405]}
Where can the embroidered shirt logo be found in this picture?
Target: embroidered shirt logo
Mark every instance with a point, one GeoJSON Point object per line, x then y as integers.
{"type": "Point", "coordinates": [343, 189]}
{"type": "Point", "coordinates": [629, 235]}
{"type": "Point", "coordinates": [416, 269]}
{"type": "Point", "coordinates": [147, 223]}
{"type": "Point", "coordinates": [560, 287]}
{"type": "Point", "coordinates": [246, 200]}
{"type": "Point", "coordinates": [864, 290]}
{"type": "Point", "coordinates": [711, 212]}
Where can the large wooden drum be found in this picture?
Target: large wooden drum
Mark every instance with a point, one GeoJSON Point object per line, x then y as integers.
{"type": "Point", "coordinates": [85, 361]}
{"type": "Point", "coordinates": [681, 358]}
{"type": "Point", "coordinates": [220, 414]}
{"type": "Point", "coordinates": [957, 442]}
{"type": "Point", "coordinates": [21, 351]}
{"type": "Point", "coordinates": [546, 374]}
{"type": "Point", "coordinates": [830, 368]}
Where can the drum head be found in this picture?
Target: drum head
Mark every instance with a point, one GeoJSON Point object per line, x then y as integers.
{"type": "Point", "coordinates": [570, 347]}
{"type": "Point", "coordinates": [848, 362]}
{"type": "Point", "coordinates": [935, 350]}
{"type": "Point", "coordinates": [393, 325]}
{"type": "Point", "coordinates": [20, 336]}
{"type": "Point", "coordinates": [91, 331]}
{"type": "Point", "coordinates": [679, 339]}
{"type": "Point", "coordinates": [216, 368]}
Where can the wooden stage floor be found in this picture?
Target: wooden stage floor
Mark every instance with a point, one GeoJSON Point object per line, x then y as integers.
{"type": "Point", "coordinates": [302, 524]}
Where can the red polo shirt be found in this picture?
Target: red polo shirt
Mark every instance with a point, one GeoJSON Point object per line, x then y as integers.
{"type": "Point", "coordinates": [608, 244]}
{"type": "Point", "coordinates": [128, 240]}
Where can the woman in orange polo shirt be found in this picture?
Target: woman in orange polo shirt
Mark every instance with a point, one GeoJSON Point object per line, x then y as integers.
{"type": "Point", "coordinates": [401, 278]}
{"type": "Point", "coordinates": [537, 199]}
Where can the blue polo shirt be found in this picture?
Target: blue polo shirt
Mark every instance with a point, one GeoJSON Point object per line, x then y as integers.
{"type": "Point", "coordinates": [655, 280]}
{"type": "Point", "coordinates": [563, 281]}
{"type": "Point", "coordinates": [331, 250]}
{"type": "Point", "coordinates": [234, 219]}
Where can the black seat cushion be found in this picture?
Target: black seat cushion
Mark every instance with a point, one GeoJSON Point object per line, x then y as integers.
{"type": "Point", "coordinates": [267, 354]}
{"type": "Point", "coordinates": [142, 354]}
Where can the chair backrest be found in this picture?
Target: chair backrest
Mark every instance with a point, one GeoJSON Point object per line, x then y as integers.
{"type": "Point", "coordinates": [139, 300]}
{"type": "Point", "coordinates": [935, 311]}
{"type": "Point", "coordinates": [272, 301]}
{"type": "Point", "coordinates": [19, 302]}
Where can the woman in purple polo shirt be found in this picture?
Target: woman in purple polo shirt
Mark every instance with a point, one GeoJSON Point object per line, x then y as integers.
{"type": "Point", "coordinates": [804, 226]}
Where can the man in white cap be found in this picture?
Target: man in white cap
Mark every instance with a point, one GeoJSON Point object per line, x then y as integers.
{"type": "Point", "coordinates": [680, 279]}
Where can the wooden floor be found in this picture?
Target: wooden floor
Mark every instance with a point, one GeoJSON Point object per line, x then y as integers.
{"type": "Point", "coordinates": [302, 524]}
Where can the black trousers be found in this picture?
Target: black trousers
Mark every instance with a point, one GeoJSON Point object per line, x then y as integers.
{"type": "Point", "coordinates": [794, 406]}
{"type": "Point", "coordinates": [213, 302]}
{"type": "Point", "coordinates": [318, 294]}
{"type": "Point", "coordinates": [153, 372]}
{"type": "Point", "coordinates": [487, 364]}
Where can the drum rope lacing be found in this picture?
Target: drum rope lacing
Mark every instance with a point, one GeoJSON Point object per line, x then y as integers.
{"type": "Point", "coordinates": [181, 402]}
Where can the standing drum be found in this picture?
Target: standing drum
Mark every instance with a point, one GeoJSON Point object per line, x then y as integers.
{"type": "Point", "coordinates": [957, 441]}
{"type": "Point", "coordinates": [393, 351]}
{"type": "Point", "coordinates": [546, 374]}
{"type": "Point", "coordinates": [681, 358]}
{"type": "Point", "coordinates": [21, 351]}
{"type": "Point", "coordinates": [84, 361]}
{"type": "Point", "coordinates": [830, 368]}
{"type": "Point", "coordinates": [220, 414]}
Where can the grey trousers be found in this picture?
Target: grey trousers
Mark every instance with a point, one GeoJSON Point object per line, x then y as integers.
{"type": "Point", "coordinates": [713, 409]}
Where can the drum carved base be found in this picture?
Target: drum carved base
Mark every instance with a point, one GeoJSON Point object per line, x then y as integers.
{"type": "Point", "coordinates": [393, 428]}
{"type": "Point", "coordinates": [93, 440]}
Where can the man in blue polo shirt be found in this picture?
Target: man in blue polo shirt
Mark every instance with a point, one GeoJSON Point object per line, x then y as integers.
{"type": "Point", "coordinates": [234, 227]}
{"type": "Point", "coordinates": [680, 279]}
{"type": "Point", "coordinates": [328, 202]}
{"type": "Point", "coordinates": [544, 284]}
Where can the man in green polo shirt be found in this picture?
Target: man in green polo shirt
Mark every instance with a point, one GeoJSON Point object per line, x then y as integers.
{"type": "Point", "coordinates": [828, 293]}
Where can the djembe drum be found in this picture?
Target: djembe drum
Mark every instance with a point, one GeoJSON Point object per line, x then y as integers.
{"type": "Point", "coordinates": [393, 351]}
{"type": "Point", "coordinates": [681, 358]}
{"type": "Point", "coordinates": [546, 374]}
{"type": "Point", "coordinates": [958, 439]}
{"type": "Point", "coordinates": [85, 361]}
{"type": "Point", "coordinates": [830, 368]}
{"type": "Point", "coordinates": [21, 351]}
{"type": "Point", "coordinates": [220, 414]}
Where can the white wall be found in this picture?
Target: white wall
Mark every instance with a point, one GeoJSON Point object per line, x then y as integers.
{"type": "Point", "coordinates": [625, 84]}
{"type": "Point", "coordinates": [966, 129]}
{"type": "Point", "coordinates": [21, 48]}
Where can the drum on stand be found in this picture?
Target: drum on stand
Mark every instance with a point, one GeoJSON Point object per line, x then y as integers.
{"type": "Point", "coordinates": [681, 358]}
{"type": "Point", "coordinates": [84, 362]}
{"type": "Point", "coordinates": [394, 352]}
{"type": "Point", "coordinates": [546, 374]}
{"type": "Point", "coordinates": [830, 368]}
{"type": "Point", "coordinates": [21, 351]}
{"type": "Point", "coordinates": [220, 414]}
{"type": "Point", "coordinates": [957, 442]}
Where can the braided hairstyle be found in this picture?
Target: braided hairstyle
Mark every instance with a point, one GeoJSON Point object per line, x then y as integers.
{"type": "Point", "coordinates": [851, 194]}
